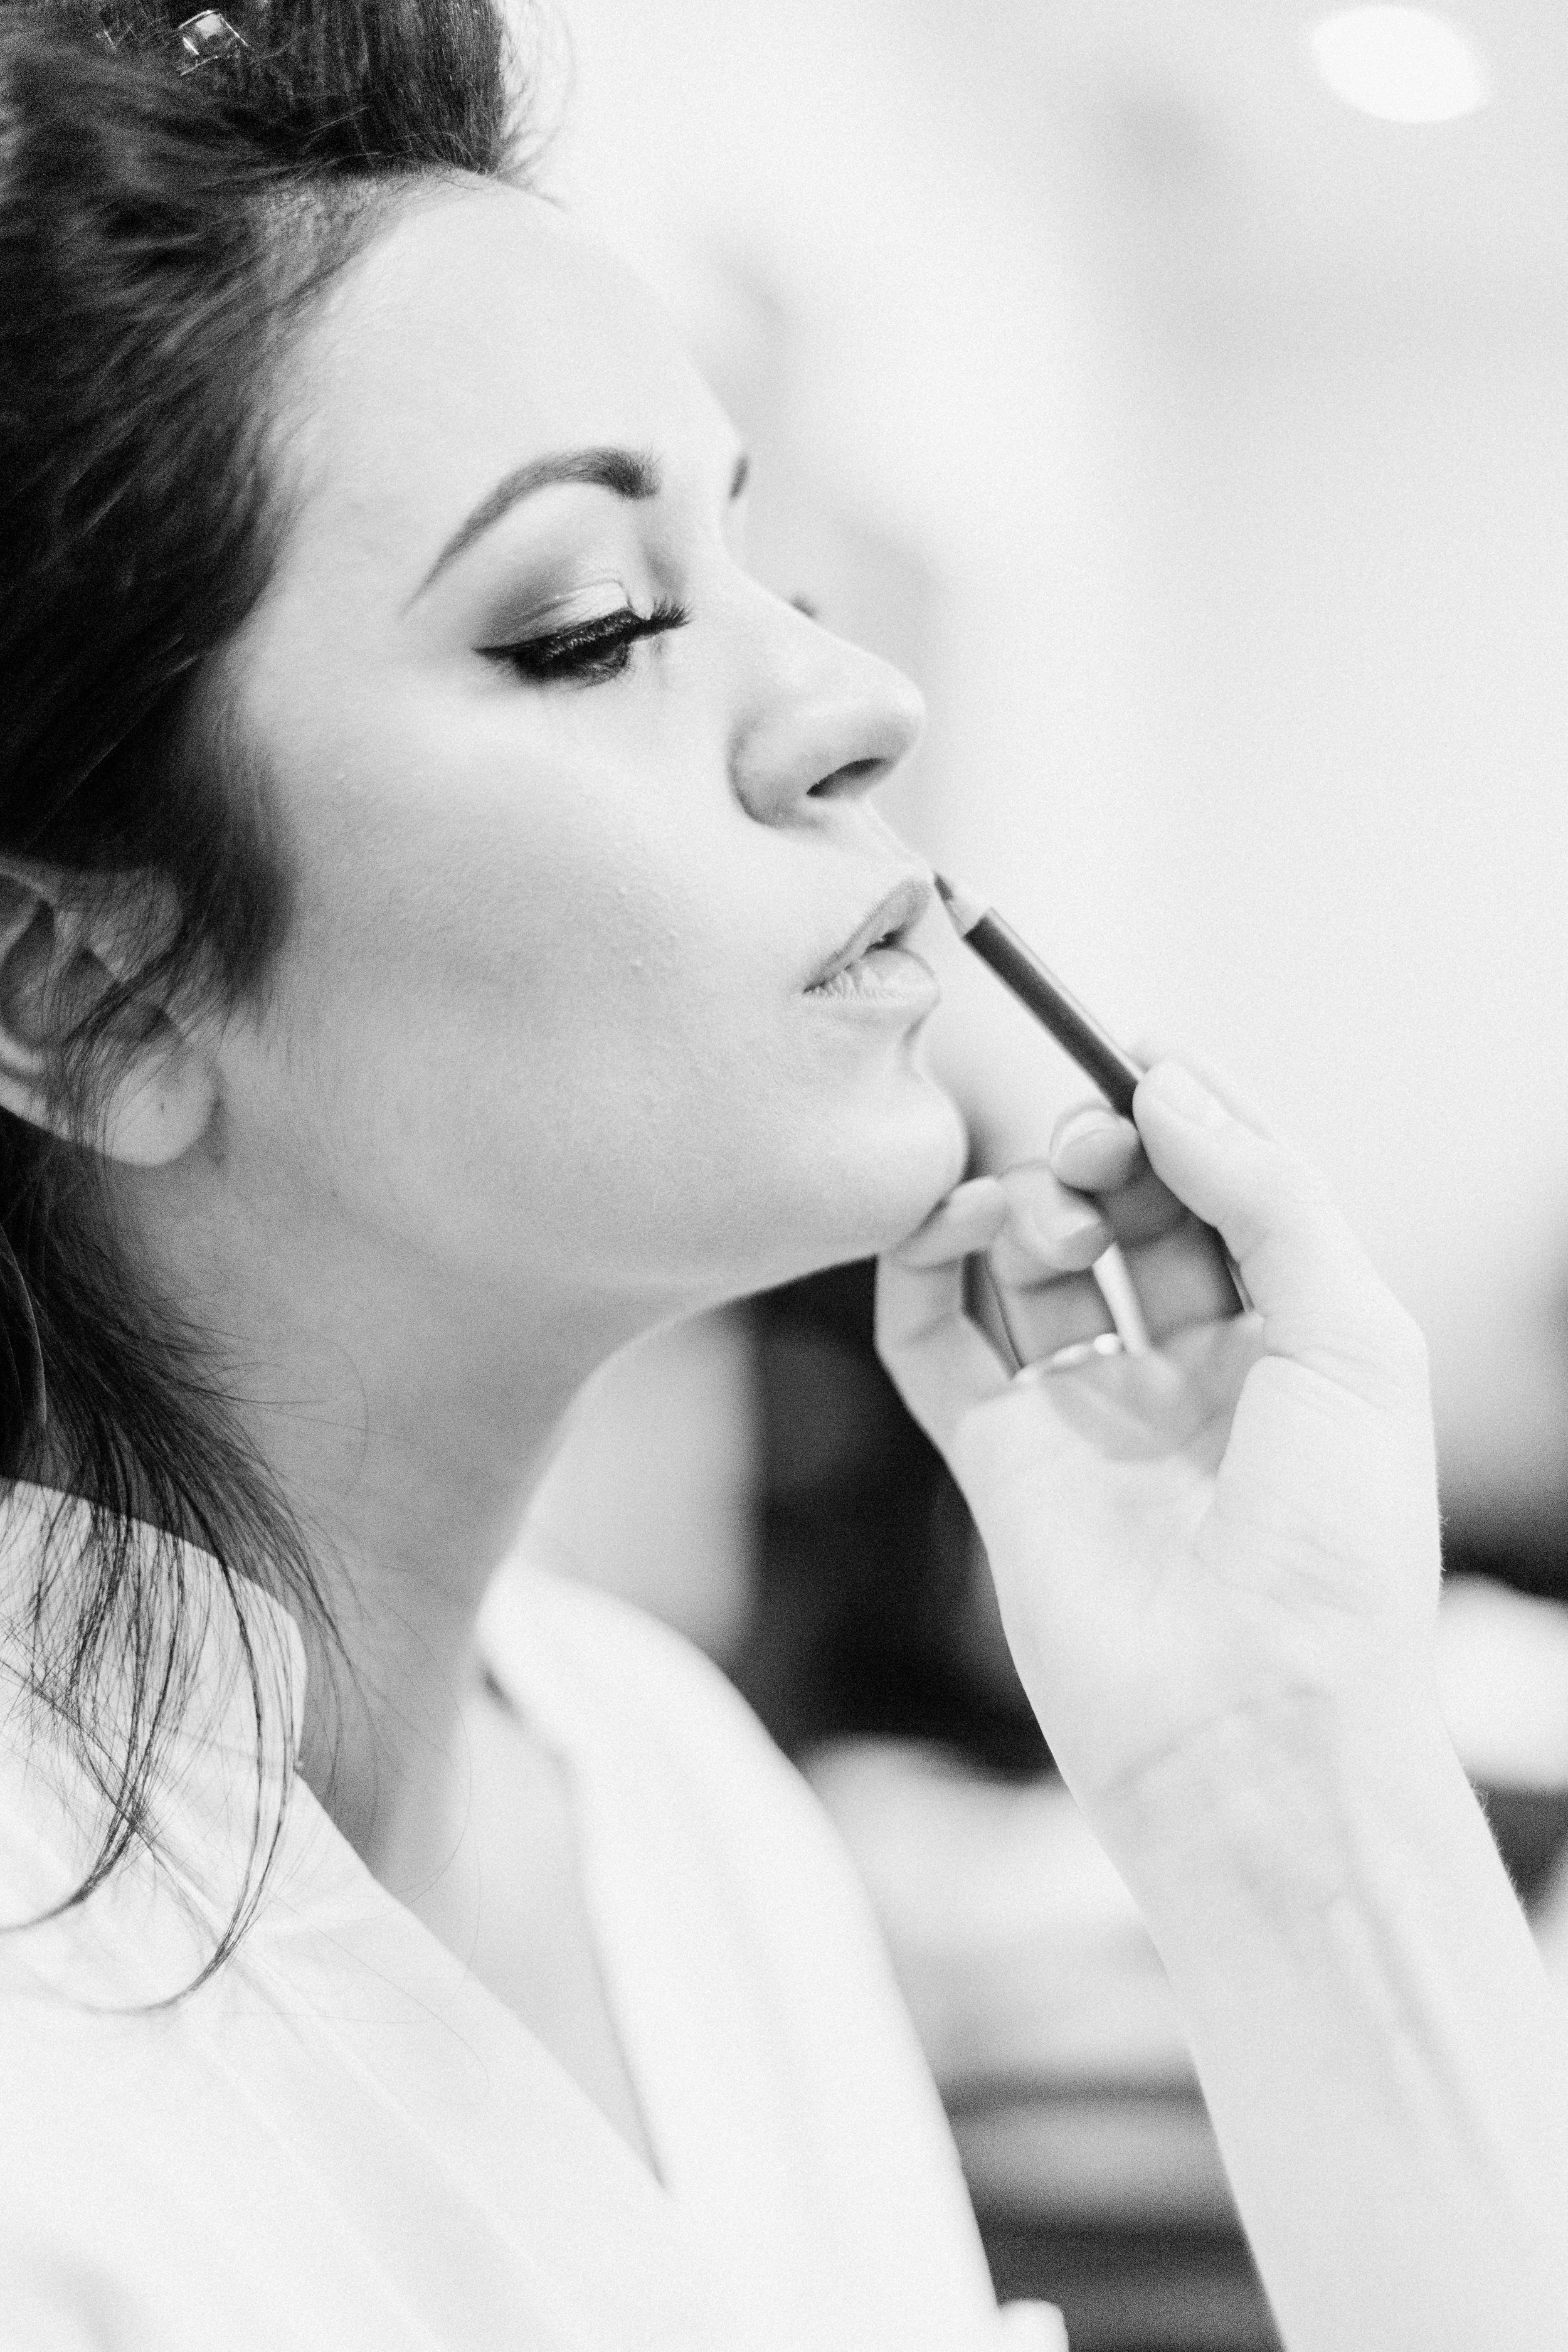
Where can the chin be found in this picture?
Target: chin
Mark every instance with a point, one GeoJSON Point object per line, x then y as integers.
{"type": "Point", "coordinates": [887, 1175]}
{"type": "Point", "coordinates": [924, 1168]}
{"type": "Point", "coordinates": [802, 1191]}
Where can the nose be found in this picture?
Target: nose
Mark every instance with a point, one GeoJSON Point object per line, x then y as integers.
{"type": "Point", "coordinates": [825, 722]}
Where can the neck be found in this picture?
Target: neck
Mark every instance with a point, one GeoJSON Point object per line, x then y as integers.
{"type": "Point", "coordinates": [411, 1474]}
{"type": "Point", "coordinates": [406, 1420]}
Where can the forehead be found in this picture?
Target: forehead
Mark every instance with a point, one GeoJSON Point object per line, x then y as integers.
{"type": "Point", "coordinates": [478, 330]}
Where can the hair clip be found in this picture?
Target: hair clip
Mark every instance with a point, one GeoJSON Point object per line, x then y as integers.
{"type": "Point", "coordinates": [207, 35]}
{"type": "Point", "coordinates": [201, 38]}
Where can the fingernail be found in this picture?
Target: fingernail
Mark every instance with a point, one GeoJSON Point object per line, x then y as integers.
{"type": "Point", "coordinates": [1186, 1095]}
{"type": "Point", "coordinates": [1062, 1234]}
{"type": "Point", "coordinates": [1082, 1124]}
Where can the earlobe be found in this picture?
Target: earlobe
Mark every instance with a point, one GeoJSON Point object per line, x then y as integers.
{"type": "Point", "coordinates": [163, 1106]}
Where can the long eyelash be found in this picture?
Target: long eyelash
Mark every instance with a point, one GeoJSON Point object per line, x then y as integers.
{"type": "Point", "coordinates": [595, 649]}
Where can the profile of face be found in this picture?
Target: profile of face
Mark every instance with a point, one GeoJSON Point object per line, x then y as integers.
{"type": "Point", "coordinates": [578, 811]}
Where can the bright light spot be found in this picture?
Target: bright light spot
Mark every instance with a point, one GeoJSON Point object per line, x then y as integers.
{"type": "Point", "coordinates": [1404, 64]}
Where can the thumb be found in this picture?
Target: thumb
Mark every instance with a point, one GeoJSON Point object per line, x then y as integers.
{"type": "Point", "coordinates": [1321, 1301]}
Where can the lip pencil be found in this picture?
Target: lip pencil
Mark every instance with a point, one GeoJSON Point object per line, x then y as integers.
{"type": "Point", "coordinates": [1073, 1026]}
{"type": "Point", "coordinates": [1075, 1029]}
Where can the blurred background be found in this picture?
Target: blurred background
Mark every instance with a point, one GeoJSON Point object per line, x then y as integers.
{"type": "Point", "coordinates": [1176, 391]}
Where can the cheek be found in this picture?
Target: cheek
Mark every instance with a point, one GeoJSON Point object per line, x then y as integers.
{"type": "Point", "coordinates": [535, 1021]}
{"type": "Point", "coordinates": [484, 1000]}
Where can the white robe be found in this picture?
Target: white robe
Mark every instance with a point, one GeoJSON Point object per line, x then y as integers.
{"type": "Point", "coordinates": [344, 2142]}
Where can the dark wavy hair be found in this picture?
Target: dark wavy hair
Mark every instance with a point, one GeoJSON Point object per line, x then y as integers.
{"type": "Point", "coordinates": [164, 230]}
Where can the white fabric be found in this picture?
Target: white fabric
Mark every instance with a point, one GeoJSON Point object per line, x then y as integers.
{"type": "Point", "coordinates": [344, 2141]}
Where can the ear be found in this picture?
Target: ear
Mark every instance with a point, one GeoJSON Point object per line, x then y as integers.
{"type": "Point", "coordinates": [55, 962]}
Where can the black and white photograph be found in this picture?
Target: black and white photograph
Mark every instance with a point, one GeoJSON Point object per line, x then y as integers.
{"type": "Point", "coordinates": [784, 1176]}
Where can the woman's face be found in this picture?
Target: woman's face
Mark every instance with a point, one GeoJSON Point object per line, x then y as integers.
{"type": "Point", "coordinates": [547, 1012]}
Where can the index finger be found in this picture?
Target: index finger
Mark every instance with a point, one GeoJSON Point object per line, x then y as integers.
{"type": "Point", "coordinates": [1320, 1300]}
{"type": "Point", "coordinates": [1157, 1047]}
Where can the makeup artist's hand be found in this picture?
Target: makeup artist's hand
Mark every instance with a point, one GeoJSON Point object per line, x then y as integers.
{"type": "Point", "coordinates": [1236, 1531]}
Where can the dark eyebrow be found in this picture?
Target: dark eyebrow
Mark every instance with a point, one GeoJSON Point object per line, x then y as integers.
{"type": "Point", "coordinates": [629, 473]}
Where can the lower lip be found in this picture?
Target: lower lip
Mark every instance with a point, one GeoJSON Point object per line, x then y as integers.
{"type": "Point", "coordinates": [884, 980]}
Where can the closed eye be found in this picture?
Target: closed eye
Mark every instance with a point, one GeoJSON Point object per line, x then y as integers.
{"type": "Point", "coordinates": [591, 651]}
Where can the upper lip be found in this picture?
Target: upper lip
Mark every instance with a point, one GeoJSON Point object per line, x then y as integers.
{"type": "Point", "coordinates": [897, 912]}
